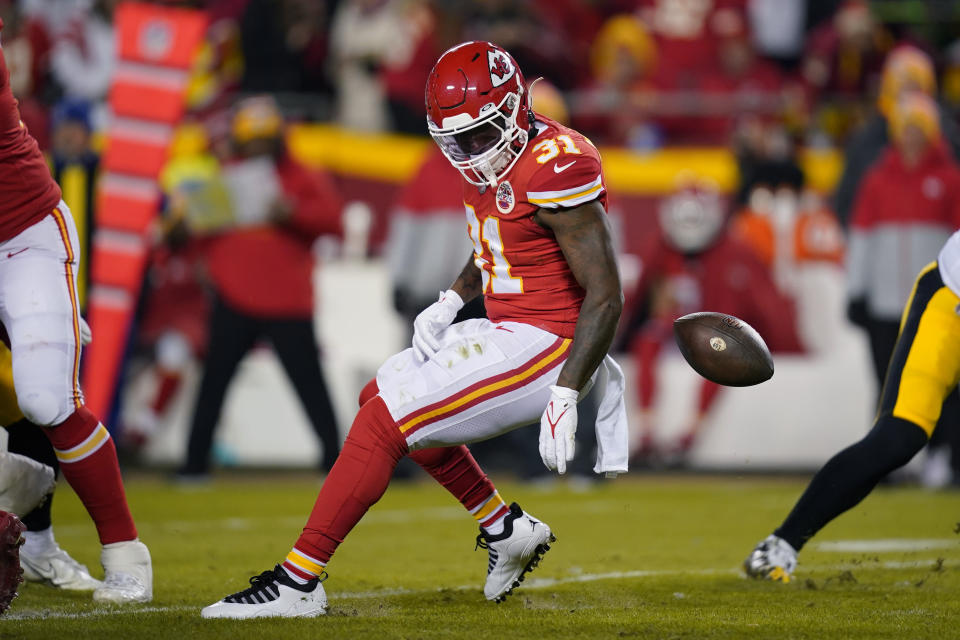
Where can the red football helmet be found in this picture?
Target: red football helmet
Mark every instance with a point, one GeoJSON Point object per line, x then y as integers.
{"type": "Point", "coordinates": [478, 111]}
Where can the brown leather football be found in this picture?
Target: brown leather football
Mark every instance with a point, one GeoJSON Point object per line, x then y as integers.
{"type": "Point", "coordinates": [723, 349]}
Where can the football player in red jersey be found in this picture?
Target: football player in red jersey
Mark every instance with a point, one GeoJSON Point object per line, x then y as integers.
{"type": "Point", "coordinates": [535, 202]}
{"type": "Point", "coordinates": [39, 253]}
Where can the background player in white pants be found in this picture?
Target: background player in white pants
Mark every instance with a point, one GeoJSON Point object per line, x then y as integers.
{"type": "Point", "coordinates": [39, 254]}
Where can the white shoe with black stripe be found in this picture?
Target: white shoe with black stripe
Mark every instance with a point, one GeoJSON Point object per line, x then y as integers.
{"type": "Point", "coordinates": [273, 594]}
{"type": "Point", "coordinates": [514, 552]}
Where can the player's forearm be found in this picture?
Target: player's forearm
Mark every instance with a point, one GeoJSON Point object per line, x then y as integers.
{"type": "Point", "coordinates": [592, 337]}
{"type": "Point", "coordinates": [469, 284]}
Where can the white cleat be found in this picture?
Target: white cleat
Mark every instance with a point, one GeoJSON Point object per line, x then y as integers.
{"type": "Point", "coordinates": [45, 562]}
{"type": "Point", "coordinates": [514, 552]}
{"type": "Point", "coordinates": [128, 573]}
{"type": "Point", "coordinates": [772, 559]}
{"type": "Point", "coordinates": [272, 594]}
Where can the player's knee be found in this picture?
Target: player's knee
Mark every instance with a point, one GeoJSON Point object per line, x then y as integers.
{"type": "Point", "coordinates": [369, 391]}
{"type": "Point", "coordinates": [42, 406]}
{"type": "Point", "coordinates": [895, 440]}
{"type": "Point", "coordinates": [374, 426]}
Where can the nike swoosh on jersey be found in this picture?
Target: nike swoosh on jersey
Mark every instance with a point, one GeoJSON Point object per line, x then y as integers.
{"type": "Point", "coordinates": [558, 168]}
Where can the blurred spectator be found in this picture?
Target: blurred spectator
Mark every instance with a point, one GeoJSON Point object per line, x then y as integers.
{"type": "Point", "coordinates": [84, 55]}
{"type": "Point", "coordinates": [176, 307]}
{"type": "Point", "coordinates": [906, 208]}
{"type": "Point", "coordinates": [950, 84]}
{"type": "Point", "coordinates": [26, 47]}
{"type": "Point", "coordinates": [404, 77]}
{"type": "Point", "coordinates": [687, 34]}
{"type": "Point", "coordinates": [691, 265]}
{"type": "Point", "coordinates": [778, 28]}
{"type": "Point", "coordinates": [612, 108]}
{"type": "Point", "coordinates": [381, 52]}
{"type": "Point", "coordinates": [843, 64]}
{"type": "Point", "coordinates": [285, 46]}
{"type": "Point", "coordinates": [522, 29]}
{"type": "Point", "coordinates": [261, 273]}
{"type": "Point", "coordinates": [766, 156]}
{"type": "Point", "coordinates": [74, 165]}
{"type": "Point", "coordinates": [906, 69]}
{"type": "Point", "coordinates": [741, 84]}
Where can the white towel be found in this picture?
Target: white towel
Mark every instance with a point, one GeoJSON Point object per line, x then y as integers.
{"type": "Point", "coordinates": [613, 448]}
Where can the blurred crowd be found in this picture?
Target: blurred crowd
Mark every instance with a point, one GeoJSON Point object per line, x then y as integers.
{"type": "Point", "coordinates": [769, 80]}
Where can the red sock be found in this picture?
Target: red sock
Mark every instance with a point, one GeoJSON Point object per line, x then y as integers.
{"type": "Point", "coordinates": [361, 474]}
{"type": "Point", "coordinates": [166, 388]}
{"type": "Point", "coordinates": [88, 460]}
{"type": "Point", "coordinates": [457, 470]}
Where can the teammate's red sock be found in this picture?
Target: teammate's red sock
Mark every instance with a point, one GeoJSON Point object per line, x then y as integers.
{"type": "Point", "coordinates": [361, 474]}
{"type": "Point", "coordinates": [88, 460]}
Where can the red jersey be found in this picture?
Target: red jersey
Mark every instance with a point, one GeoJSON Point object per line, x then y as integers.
{"type": "Point", "coordinates": [525, 275]}
{"type": "Point", "coordinates": [29, 193]}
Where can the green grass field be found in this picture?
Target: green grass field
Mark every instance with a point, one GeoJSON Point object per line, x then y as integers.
{"type": "Point", "coordinates": [642, 556]}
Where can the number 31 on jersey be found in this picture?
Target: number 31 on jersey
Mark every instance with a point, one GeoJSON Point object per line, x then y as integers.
{"type": "Point", "coordinates": [488, 249]}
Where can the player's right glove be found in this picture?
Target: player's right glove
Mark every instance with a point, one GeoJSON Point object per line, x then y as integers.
{"type": "Point", "coordinates": [432, 321]}
{"type": "Point", "coordinates": [11, 575]}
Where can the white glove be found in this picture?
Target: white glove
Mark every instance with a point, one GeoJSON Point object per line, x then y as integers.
{"type": "Point", "coordinates": [558, 426]}
{"type": "Point", "coordinates": [431, 322]}
{"type": "Point", "coordinates": [86, 335]}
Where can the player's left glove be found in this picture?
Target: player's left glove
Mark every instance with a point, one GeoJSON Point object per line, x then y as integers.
{"type": "Point", "coordinates": [558, 428]}
{"type": "Point", "coordinates": [431, 322]}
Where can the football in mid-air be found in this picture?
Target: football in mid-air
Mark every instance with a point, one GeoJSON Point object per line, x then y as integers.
{"type": "Point", "coordinates": [723, 349]}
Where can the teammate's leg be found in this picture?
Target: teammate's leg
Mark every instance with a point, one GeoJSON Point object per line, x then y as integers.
{"type": "Point", "coordinates": [924, 369]}
{"type": "Point", "coordinates": [296, 346]}
{"type": "Point", "coordinates": [41, 557]}
{"type": "Point", "coordinates": [38, 307]}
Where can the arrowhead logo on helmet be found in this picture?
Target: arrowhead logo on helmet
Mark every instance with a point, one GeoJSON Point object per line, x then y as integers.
{"type": "Point", "coordinates": [500, 68]}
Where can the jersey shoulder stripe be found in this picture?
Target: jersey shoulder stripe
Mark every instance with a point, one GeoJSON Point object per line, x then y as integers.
{"type": "Point", "coordinates": [567, 197]}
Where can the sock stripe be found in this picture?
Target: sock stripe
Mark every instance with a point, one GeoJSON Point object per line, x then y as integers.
{"type": "Point", "coordinates": [85, 449]}
{"type": "Point", "coordinates": [493, 504]}
{"type": "Point", "coordinates": [298, 560]}
{"type": "Point", "coordinates": [498, 514]}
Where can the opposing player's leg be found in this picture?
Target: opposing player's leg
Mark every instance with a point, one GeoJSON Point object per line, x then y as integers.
{"type": "Point", "coordinates": [515, 540]}
{"type": "Point", "coordinates": [924, 369]}
{"type": "Point", "coordinates": [42, 559]}
{"type": "Point", "coordinates": [38, 307]}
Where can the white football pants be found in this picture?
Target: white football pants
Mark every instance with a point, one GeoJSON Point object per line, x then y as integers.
{"type": "Point", "coordinates": [39, 309]}
{"type": "Point", "coordinates": [487, 379]}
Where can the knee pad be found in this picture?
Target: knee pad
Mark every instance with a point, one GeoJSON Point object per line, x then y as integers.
{"type": "Point", "coordinates": [42, 406]}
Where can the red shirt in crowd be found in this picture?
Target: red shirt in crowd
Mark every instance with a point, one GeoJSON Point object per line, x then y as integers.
{"type": "Point", "coordinates": [29, 193]}
{"type": "Point", "coordinates": [893, 193]}
{"type": "Point", "coordinates": [266, 270]}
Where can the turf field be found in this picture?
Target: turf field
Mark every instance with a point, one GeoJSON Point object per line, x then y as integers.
{"type": "Point", "coordinates": [643, 557]}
